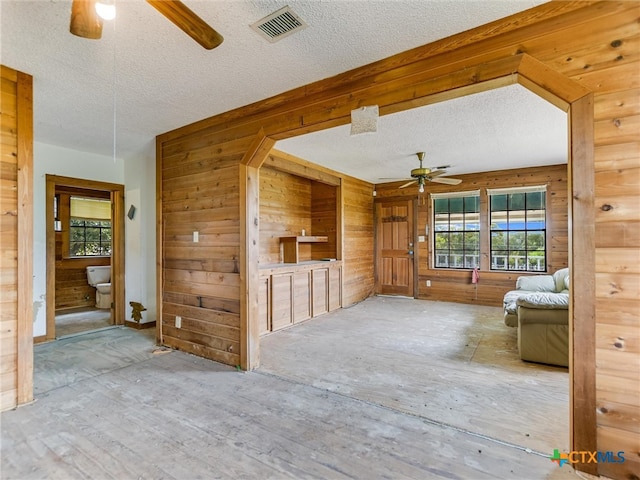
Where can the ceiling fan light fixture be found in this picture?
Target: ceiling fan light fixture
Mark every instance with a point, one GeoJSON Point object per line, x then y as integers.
{"type": "Point", "coordinates": [106, 9]}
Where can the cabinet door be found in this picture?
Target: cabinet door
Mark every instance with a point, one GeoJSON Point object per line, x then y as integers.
{"type": "Point", "coordinates": [319, 291]}
{"type": "Point", "coordinates": [281, 300]}
{"type": "Point", "coordinates": [335, 288]}
{"type": "Point", "coordinates": [301, 296]}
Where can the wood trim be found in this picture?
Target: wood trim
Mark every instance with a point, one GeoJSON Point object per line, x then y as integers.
{"type": "Point", "coordinates": [285, 162]}
{"type": "Point", "coordinates": [249, 272]}
{"type": "Point", "coordinates": [159, 242]}
{"type": "Point", "coordinates": [258, 150]}
{"type": "Point", "coordinates": [24, 119]}
{"type": "Point", "coordinates": [117, 257]}
{"type": "Point", "coordinates": [50, 244]}
{"type": "Point", "coordinates": [582, 341]}
{"type": "Point", "coordinates": [545, 82]}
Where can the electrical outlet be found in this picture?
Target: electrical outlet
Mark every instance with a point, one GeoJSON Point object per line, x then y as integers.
{"type": "Point", "coordinates": [196, 237]}
{"type": "Point", "coordinates": [178, 321]}
{"type": "Point", "coordinates": [428, 283]}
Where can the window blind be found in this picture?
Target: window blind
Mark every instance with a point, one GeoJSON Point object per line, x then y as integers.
{"type": "Point", "coordinates": [90, 208]}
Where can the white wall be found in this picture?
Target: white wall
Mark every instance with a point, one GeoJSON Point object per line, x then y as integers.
{"type": "Point", "coordinates": [139, 236]}
{"type": "Point", "coordinates": [140, 233]}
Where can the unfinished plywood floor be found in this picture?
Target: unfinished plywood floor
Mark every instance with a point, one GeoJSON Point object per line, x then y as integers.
{"type": "Point", "coordinates": [449, 363]}
{"type": "Point", "coordinates": [121, 411]}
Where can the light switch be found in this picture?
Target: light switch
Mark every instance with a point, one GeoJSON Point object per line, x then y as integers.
{"type": "Point", "coordinates": [421, 238]}
{"type": "Point", "coordinates": [196, 237]}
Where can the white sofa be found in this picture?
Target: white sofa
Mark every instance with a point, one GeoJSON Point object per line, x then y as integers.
{"type": "Point", "coordinates": [539, 308]}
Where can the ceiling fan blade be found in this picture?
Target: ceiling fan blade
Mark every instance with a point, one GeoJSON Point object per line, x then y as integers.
{"type": "Point", "coordinates": [437, 173]}
{"type": "Point", "coordinates": [190, 23]}
{"type": "Point", "coordinates": [407, 184]}
{"type": "Point", "coordinates": [85, 22]}
{"type": "Point", "coordinates": [445, 180]}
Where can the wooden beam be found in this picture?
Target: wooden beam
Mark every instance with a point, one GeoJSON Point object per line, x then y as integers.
{"type": "Point", "coordinates": [549, 84]}
{"type": "Point", "coordinates": [258, 150]}
{"type": "Point", "coordinates": [546, 18]}
{"type": "Point", "coordinates": [582, 338]}
{"type": "Point", "coordinates": [25, 238]}
{"type": "Point", "coordinates": [288, 163]}
{"type": "Point", "coordinates": [249, 178]}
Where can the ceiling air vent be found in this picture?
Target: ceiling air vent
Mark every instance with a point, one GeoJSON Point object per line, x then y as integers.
{"type": "Point", "coordinates": [279, 24]}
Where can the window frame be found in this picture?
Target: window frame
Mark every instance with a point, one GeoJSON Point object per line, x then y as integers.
{"type": "Point", "coordinates": [101, 228]}
{"type": "Point", "coordinates": [525, 229]}
{"type": "Point", "coordinates": [478, 220]}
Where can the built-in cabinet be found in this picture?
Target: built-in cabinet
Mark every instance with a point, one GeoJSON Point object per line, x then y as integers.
{"type": "Point", "coordinates": [300, 266]}
{"type": "Point", "coordinates": [292, 293]}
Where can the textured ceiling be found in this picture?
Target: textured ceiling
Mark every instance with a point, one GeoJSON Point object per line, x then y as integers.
{"type": "Point", "coordinates": [146, 77]}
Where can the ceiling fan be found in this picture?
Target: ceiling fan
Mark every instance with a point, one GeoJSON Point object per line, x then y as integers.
{"type": "Point", "coordinates": [422, 175]}
{"type": "Point", "coordinates": [86, 23]}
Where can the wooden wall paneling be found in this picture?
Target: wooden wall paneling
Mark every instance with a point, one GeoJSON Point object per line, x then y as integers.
{"type": "Point", "coordinates": [358, 241]}
{"type": "Point", "coordinates": [323, 219]}
{"type": "Point", "coordinates": [448, 285]}
{"type": "Point", "coordinates": [574, 35]}
{"type": "Point", "coordinates": [16, 262]}
{"type": "Point", "coordinates": [283, 192]}
{"type": "Point", "coordinates": [206, 275]}
{"type": "Point", "coordinates": [9, 238]}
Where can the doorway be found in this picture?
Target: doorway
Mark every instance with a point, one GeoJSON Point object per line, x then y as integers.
{"type": "Point", "coordinates": [72, 303]}
{"type": "Point", "coordinates": [394, 247]}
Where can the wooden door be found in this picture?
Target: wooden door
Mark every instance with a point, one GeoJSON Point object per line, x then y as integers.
{"type": "Point", "coordinates": [394, 252]}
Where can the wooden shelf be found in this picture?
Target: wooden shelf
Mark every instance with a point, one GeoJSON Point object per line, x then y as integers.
{"type": "Point", "coordinates": [290, 245]}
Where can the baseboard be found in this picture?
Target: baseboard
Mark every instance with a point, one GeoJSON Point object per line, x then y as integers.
{"type": "Point", "coordinates": [139, 326]}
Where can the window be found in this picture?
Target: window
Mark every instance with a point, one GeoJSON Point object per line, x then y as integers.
{"type": "Point", "coordinates": [456, 220]}
{"type": "Point", "coordinates": [90, 227]}
{"type": "Point", "coordinates": [518, 229]}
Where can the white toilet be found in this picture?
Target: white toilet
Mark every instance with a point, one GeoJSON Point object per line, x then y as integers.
{"type": "Point", "coordinates": [100, 277]}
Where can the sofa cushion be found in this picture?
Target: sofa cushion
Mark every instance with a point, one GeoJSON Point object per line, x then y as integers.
{"type": "Point", "coordinates": [560, 279]}
{"type": "Point", "coordinates": [544, 300]}
{"type": "Point", "coordinates": [536, 283]}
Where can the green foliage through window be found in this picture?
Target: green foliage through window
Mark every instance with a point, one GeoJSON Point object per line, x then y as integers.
{"type": "Point", "coordinates": [456, 223]}
{"type": "Point", "coordinates": [518, 231]}
{"type": "Point", "coordinates": [89, 237]}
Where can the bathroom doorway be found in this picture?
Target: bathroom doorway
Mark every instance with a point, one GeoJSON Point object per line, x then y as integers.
{"type": "Point", "coordinates": [85, 233]}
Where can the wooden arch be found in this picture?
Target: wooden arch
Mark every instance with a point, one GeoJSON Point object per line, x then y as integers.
{"type": "Point", "coordinates": [427, 85]}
